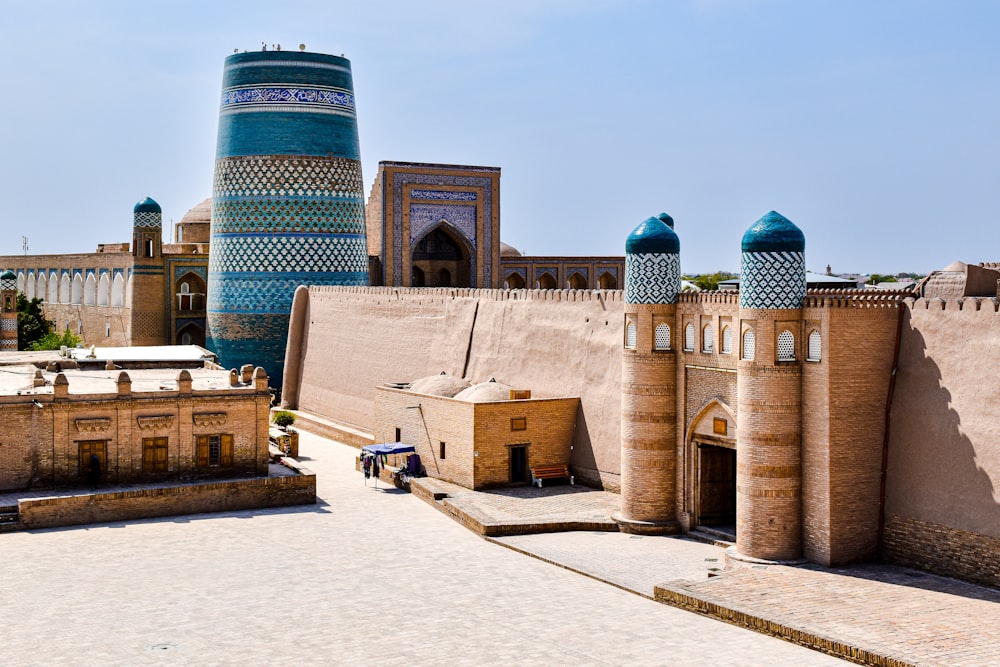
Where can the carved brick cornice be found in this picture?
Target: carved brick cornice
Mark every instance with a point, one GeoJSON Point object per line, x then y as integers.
{"type": "Point", "coordinates": [93, 424]}
{"type": "Point", "coordinates": [209, 418]}
{"type": "Point", "coordinates": [156, 422]}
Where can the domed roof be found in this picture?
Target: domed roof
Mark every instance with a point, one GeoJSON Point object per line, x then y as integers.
{"type": "Point", "coordinates": [439, 385]}
{"type": "Point", "coordinates": [485, 392]}
{"type": "Point", "coordinates": [665, 217]}
{"type": "Point", "coordinates": [200, 213]}
{"type": "Point", "coordinates": [8, 275]}
{"type": "Point", "coordinates": [508, 250]}
{"type": "Point", "coordinates": [652, 236]}
{"type": "Point", "coordinates": [147, 205]}
{"type": "Point", "coordinates": [774, 233]}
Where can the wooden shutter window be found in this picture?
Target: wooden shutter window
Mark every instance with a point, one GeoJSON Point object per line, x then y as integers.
{"type": "Point", "coordinates": [227, 450]}
{"type": "Point", "coordinates": [202, 451]}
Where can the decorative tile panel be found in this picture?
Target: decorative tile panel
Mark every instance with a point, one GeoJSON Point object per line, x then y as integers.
{"type": "Point", "coordinates": [652, 277]}
{"type": "Point", "coordinates": [443, 195]}
{"type": "Point", "coordinates": [314, 99]}
{"type": "Point", "coordinates": [773, 280]}
{"type": "Point", "coordinates": [423, 216]}
{"type": "Point", "coordinates": [147, 219]}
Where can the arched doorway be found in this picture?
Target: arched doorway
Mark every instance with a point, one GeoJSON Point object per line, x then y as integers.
{"type": "Point", "coordinates": [190, 334]}
{"type": "Point", "coordinates": [711, 453]}
{"type": "Point", "coordinates": [546, 281]}
{"type": "Point", "coordinates": [576, 281]}
{"type": "Point", "coordinates": [514, 281]}
{"type": "Point", "coordinates": [442, 259]}
{"type": "Point", "coordinates": [607, 281]}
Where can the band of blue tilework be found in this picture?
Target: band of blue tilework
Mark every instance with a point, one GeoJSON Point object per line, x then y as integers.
{"type": "Point", "coordinates": [288, 98]}
{"type": "Point", "coordinates": [773, 280]}
{"type": "Point", "coordinates": [443, 195]}
{"type": "Point", "coordinates": [268, 292]}
{"type": "Point", "coordinates": [147, 219]}
{"type": "Point", "coordinates": [652, 277]}
{"type": "Point", "coordinates": [338, 215]}
{"type": "Point", "coordinates": [293, 253]}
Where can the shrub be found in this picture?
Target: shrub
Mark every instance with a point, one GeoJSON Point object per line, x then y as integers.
{"type": "Point", "coordinates": [283, 418]}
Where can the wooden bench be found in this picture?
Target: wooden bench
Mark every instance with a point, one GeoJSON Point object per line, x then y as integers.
{"type": "Point", "coordinates": [549, 472]}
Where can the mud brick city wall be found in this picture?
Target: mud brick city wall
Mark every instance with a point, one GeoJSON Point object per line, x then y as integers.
{"type": "Point", "coordinates": [553, 342]}
{"type": "Point", "coordinates": [944, 444]}
{"type": "Point", "coordinates": [278, 491]}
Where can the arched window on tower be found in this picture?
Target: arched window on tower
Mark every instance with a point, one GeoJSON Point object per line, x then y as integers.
{"type": "Point", "coordinates": [815, 347]}
{"type": "Point", "coordinates": [727, 340]}
{"type": "Point", "coordinates": [90, 292]}
{"type": "Point", "coordinates": [689, 338]}
{"type": "Point", "coordinates": [661, 337]}
{"type": "Point", "coordinates": [786, 346]}
{"type": "Point", "coordinates": [630, 336]}
{"type": "Point", "coordinates": [707, 339]}
{"type": "Point", "coordinates": [749, 344]}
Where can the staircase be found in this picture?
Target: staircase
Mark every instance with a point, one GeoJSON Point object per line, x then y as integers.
{"type": "Point", "coordinates": [10, 520]}
{"type": "Point", "coordinates": [710, 535]}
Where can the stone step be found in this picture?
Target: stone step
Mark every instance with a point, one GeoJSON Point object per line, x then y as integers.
{"type": "Point", "coordinates": [710, 536]}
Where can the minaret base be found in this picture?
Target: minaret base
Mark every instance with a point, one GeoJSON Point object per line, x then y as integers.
{"type": "Point", "coordinates": [633, 527]}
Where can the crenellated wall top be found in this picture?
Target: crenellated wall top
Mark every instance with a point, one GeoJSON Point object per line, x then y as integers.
{"type": "Point", "coordinates": [451, 293]}
{"type": "Point", "coordinates": [963, 304]}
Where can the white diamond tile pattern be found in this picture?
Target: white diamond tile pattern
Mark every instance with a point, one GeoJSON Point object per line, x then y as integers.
{"type": "Point", "coordinates": [773, 280]}
{"type": "Point", "coordinates": [652, 277]}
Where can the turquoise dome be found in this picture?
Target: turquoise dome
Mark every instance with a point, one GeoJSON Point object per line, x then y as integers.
{"type": "Point", "coordinates": [147, 205]}
{"type": "Point", "coordinates": [665, 217]}
{"type": "Point", "coordinates": [774, 233]}
{"type": "Point", "coordinates": [653, 236]}
{"type": "Point", "coordinates": [8, 275]}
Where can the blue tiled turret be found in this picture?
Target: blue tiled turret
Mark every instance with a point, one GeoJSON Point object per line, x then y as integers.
{"type": "Point", "coordinates": [147, 213]}
{"type": "Point", "coordinates": [652, 263]}
{"type": "Point", "coordinates": [288, 201]}
{"type": "Point", "coordinates": [773, 271]}
{"type": "Point", "coordinates": [665, 217]}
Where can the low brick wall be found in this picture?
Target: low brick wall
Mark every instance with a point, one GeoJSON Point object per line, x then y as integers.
{"type": "Point", "coordinates": [278, 491]}
{"type": "Point", "coordinates": [943, 550]}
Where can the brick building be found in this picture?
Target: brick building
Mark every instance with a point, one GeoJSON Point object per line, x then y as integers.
{"type": "Point", "coordinates": [153, 420]}
{"type": "Point", "coordinates": [478, 436]}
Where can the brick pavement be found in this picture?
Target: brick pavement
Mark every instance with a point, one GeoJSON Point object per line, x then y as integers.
{"type": "Point", "coordinates": [876, 613]}
{"type": "Point", "coordinates": [364, 576]}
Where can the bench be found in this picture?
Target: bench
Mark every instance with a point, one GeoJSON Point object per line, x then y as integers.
{"type": "Point", "coordinates": [549, 472]}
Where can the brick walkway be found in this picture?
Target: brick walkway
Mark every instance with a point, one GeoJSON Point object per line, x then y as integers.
{"type": "Point", "coordinates": [365, 576]}
{"type": "Point", "coordinates": [879, 614]}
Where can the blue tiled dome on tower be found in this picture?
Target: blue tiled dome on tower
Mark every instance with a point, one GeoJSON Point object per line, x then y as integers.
{"type": "Point", "coordinates": [652, 263]}
{"type": "Point", "coordinates": [665, 217]}
{"type": "Point", "coordinates": [147, 213]}
{"type": "Point", "coordinates": [773, 272]}
{"type": "Point", "coordinates": [288, 202]}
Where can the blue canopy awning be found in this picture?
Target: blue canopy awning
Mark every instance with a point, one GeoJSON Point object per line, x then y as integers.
{"type": "Point", "coordinates": [388, 448]}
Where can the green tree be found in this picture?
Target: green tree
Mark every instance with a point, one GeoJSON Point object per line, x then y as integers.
{"type": "Point", "coordinates": [877, 278]}
{"type": "Point", "coordinates": [710, 281]}
{"type": "Point", "coordinates": [31, 324]}
{"type": "Point", "coordinates": [53, 341]}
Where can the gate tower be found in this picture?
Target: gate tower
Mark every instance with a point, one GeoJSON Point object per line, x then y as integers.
{"type": "Point", "coordinates": [769, 391]}
{"type": "Point", "coordinates": [649, 367]}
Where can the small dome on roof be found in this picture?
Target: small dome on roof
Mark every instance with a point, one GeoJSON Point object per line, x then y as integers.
{"type": "Point", "coordinates": [955, 266]}
{"type": "Point", "coordinates": [439, 385]}
{"type": "Point", "coordinates": [200, 213]}
{"type": "Point", "coordinates": [147, 205]}
{"type": "Point", "coordinates": [508, 250]}
{"type": "Point", "coordinates": [774, 233]}
{"type": "Point", "coordinates": [8, 275]}
{"type": "Point", "coordinates": [652, 236]}
{"type": "Point", "coordinates": [665, 217]}
{"type": "Point", "coordinates": [485, 392]}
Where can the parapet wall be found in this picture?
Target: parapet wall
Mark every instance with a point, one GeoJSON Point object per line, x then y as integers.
{"type": "Point", "coordinates": [347, 341]}
{"type": "Point", "coordinates": [943, 480]}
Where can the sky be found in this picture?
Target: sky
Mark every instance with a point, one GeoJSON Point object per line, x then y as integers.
{"type": "Point", "coordinates": [871, 125]}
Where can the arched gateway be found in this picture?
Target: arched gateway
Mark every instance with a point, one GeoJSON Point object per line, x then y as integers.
{"type": "Point", "coordinates": [710, 442]}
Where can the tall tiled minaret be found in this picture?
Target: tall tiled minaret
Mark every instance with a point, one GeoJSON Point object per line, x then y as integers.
{"type": "Point", "coordinates": [288, 200]}
{"type": "Point", "coordinates": [8, 311]}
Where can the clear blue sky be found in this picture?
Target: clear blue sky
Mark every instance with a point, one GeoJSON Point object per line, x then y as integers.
{"type": "Point", "coordinates": [872, 125]}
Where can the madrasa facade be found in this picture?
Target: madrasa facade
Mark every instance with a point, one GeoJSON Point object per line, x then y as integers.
{"type": "Point", "coordinates": [830, 426]}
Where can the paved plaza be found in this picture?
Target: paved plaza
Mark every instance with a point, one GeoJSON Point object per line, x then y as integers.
{"type": "Point", "coordinates": [366, 576]}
